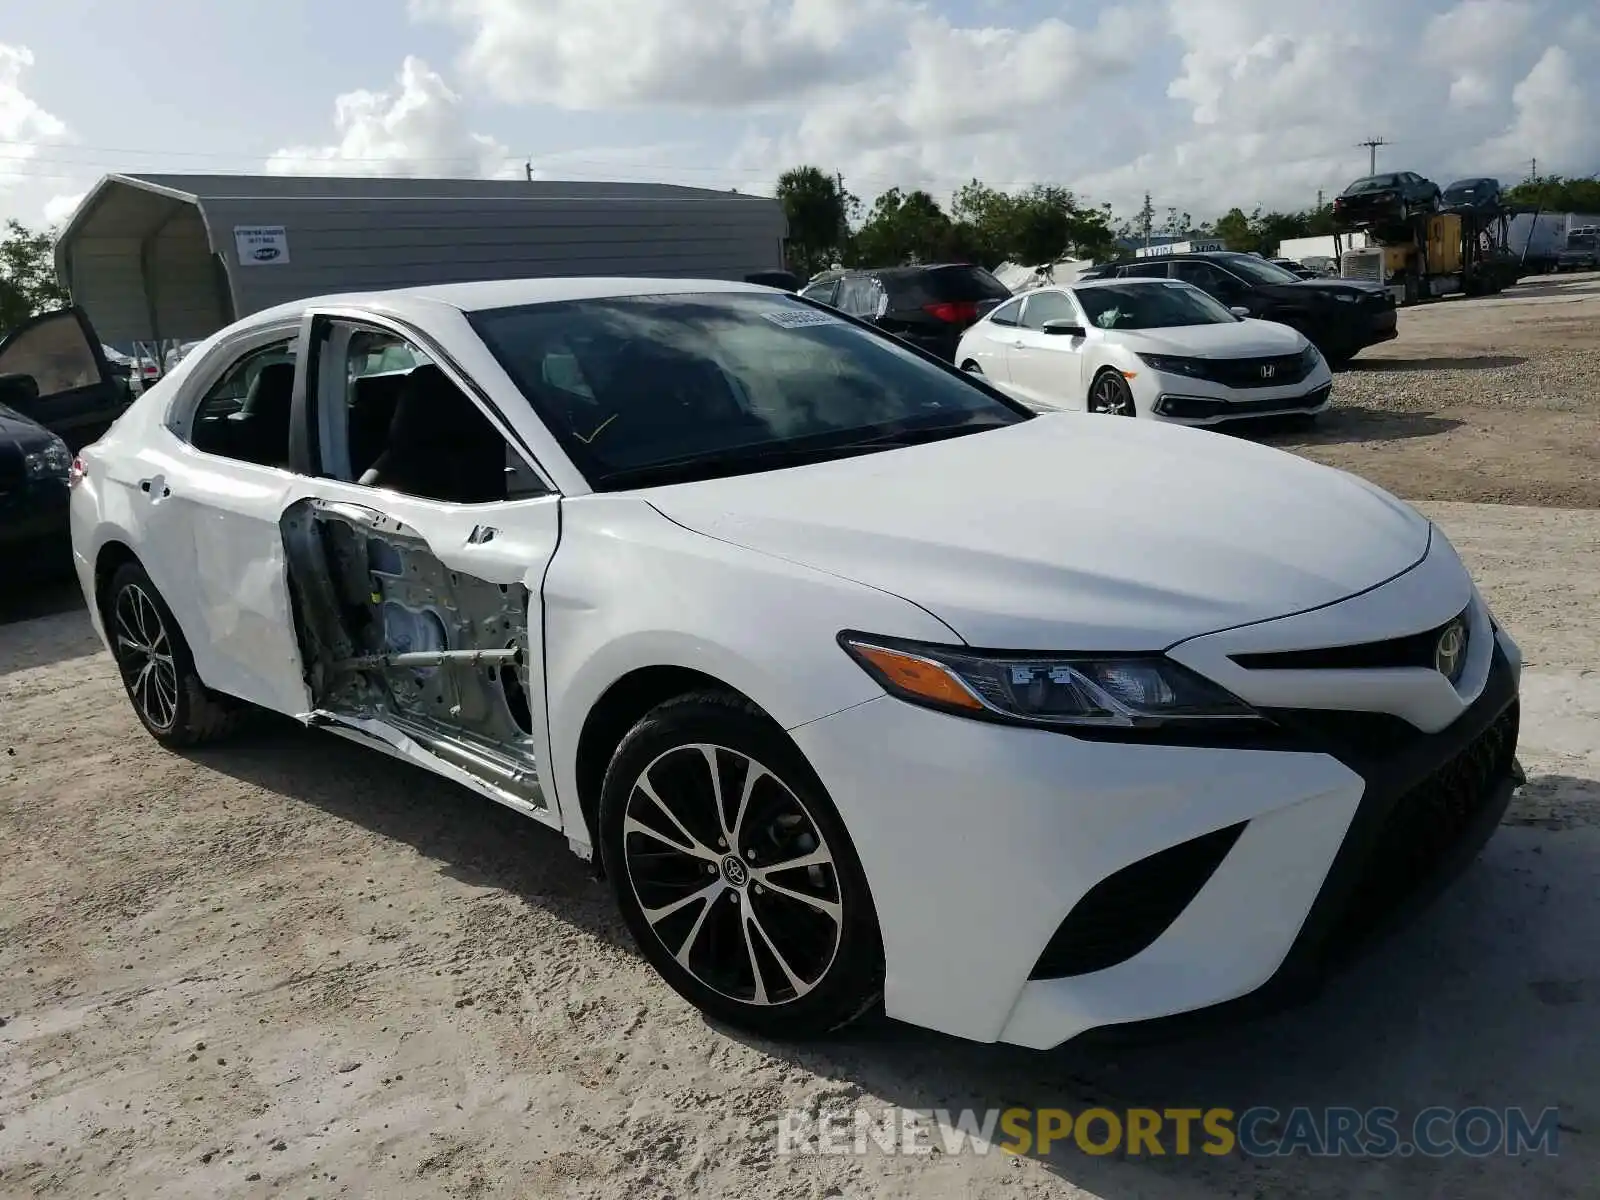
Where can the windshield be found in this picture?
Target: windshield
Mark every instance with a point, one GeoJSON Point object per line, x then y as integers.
{"type": "Point", "coordinates": [1258, 270]}
{"type": "Point", "coordinates": [1162, 304]}
{"type": "Point", "coordinates": [660, 389]}
{"type": "Point", "coordinates": [1373, 183]}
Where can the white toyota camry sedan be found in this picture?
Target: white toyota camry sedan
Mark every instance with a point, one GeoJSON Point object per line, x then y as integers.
{"type": "Point", "coordinates": [861, 683]}
{"type": "Point", "coordinates": [1146, 348]}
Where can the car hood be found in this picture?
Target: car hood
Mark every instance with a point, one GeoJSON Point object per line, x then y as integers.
{"type": "Point", "coordinates": [1324, 288]}
{"type": "Point", "coordinates": [1073, 531]}
{"type": "Point", "coordinates": [20, 431]}
{"type": "Point", "coordinates": [1236, 339]}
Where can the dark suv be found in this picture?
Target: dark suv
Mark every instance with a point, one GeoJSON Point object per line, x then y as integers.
{"type": "Point", "coordinates": [928, 306]}
{"type": "Point", "coordinates": [1380, 199]}
{"type": "Point", "coordinates": [1339, 316]}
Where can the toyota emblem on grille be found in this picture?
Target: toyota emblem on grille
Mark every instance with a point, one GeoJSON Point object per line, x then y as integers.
{"type": "Point", "coordinates": [1268, 371]}
{"type": "Point", "coordinates": [1450, 655]}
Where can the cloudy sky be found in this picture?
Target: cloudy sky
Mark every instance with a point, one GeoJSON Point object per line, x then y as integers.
{"type": "Point", "coordinates": [1204, 103]}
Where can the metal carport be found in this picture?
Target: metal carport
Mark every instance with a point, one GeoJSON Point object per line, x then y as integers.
{"type": "Point", "coordinates": [161, 258]}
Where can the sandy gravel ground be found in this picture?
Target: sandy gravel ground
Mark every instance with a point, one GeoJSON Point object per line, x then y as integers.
{"type": "Point", "coordinates": [291, 967]}
{"type": "Point", "coordinates": [1494, 399]}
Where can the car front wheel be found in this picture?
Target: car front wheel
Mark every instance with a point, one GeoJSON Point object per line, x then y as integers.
{"type": "Point", "coordinates": [156, 667]}
{"type": "Point", "coordinates": [734, 872]}
{"type": "Point", "coordinates": [1110, 394]}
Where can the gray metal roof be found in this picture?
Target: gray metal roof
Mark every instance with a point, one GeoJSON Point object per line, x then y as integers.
{"type": "Point", "coordinates": [156, 256]}
{"type": "Point", "coordinates": [143, 199]}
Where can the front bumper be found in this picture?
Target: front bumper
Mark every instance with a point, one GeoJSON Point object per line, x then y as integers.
{"type": "Point", "coordinates": [35, 539]}
{"type": "Point", "coordinates": [1180, 400]}
{"type": "Point", "coordinates": [1258, 867]}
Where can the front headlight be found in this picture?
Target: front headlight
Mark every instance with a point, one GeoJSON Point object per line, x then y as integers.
{"type": "Point", "coordinates": [1346, 297]}
{"type": "Point", "coordinates": [1171, 364]}
{"type": "Point", "coordinates": [1108, 691]}
{"type": "Point", "coordinates": [53, 462]}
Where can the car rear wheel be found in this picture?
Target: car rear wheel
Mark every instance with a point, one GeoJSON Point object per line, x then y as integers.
{"type": "Point", "coordinates": [157, 668]}
{"type": "Point", "coordinates": [971, 368]}
{"type": "Point", "coordinates": [1111, 395]}
{"type": "Point", "coordinates": [734, 872]}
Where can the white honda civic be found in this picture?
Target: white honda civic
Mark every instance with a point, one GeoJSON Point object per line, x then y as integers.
{"type": "Point", "coordinates": [861, 683]}
{"type": "Point", "coordinates": [1146, 348]}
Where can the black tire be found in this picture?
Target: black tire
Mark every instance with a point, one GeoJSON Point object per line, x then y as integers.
{"type": "Point", "coordinates": [971, 368]}
{"type": "Point", "coordinates": [708, 909]}
{"type": "Point", "coordinates": [1110, 394]}
{"type": "Point", "coordinates": [166, 693]}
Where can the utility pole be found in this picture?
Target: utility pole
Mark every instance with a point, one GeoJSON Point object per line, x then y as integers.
{"type": "Point", "coordinates": [528, 168]}
{"type": "Point", "coordinates": [1533, 169]}
{"type": "Point", "coordinates": [1372, 145]}
{"type": "Point", "coordinates": [1319, 199]}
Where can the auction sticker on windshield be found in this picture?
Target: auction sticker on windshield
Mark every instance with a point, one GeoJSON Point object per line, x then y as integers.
{"type": "Point", "coordinates": [794, 318]}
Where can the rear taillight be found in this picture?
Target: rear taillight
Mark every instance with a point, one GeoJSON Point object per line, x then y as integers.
{"type": "Point", "coordinates": [955, 312]}
{"type": "Point", "coordinates": [75, 473]}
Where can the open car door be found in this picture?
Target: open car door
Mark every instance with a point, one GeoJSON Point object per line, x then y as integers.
{"type": "Point", "coordinates": [70, 389]}
{"type": "Point", "coordinates": [415, 546]}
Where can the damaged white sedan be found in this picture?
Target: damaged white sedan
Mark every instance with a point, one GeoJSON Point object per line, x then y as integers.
{"type": "Point", "coordinates": [859, 681]}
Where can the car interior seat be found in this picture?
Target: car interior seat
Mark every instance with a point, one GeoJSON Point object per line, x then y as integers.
{"type": "Point", "coordinates": [440, 447]}
{"type": "Point", "coordinates": [260, 429]}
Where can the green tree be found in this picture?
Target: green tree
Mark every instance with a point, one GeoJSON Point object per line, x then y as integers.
{"type": "Point", "coordinates": [1558, 193]}
{"type": "Point", "coordinates": [1037, 225]}
{"type": "Point", "coordinates": [818, 209]}
{"type": "Point", "coordinates": [907, 227]}
{"type": "Point", "coordinates": [1236, 230]}
{"type": "Point", "coordinates": [28, 283]}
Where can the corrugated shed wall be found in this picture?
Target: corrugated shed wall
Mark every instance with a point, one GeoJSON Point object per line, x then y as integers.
{"type": "Point", "coordinates": [352, 245]}
{"type": "Point", "coordinates": [367, 234]}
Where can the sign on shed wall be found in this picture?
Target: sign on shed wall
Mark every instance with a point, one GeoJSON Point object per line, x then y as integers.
{"type": "Point", "coordinates": [261, 245]}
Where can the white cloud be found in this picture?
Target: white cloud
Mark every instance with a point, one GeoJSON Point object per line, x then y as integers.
{"type": "Point", "coordinates": [58, 208]}
{"type": "Point", "coordinates": [418, 128]}
{"type": "Point", "coordinates": [579, 54]}
{"type": "Point", "coordinates": [24, 126]}
{"type": "Point", "coordinates": [1555, 106]}
{"type": "Point", "coordinates": [1205, 104]}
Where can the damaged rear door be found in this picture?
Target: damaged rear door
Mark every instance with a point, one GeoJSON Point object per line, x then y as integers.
{"type": "Point", "coordinates": [415, 577]}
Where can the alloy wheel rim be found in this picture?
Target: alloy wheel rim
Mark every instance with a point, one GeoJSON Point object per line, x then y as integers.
{"type": "Point", "coordinates": [1112, 399]}
{"type": "Point", "coordinates": [732, 874]}
{"type": "Point", "coordinates": [144, 652]}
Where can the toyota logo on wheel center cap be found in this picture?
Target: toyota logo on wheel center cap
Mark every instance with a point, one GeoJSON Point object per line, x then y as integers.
{"type": "Point", "coordinates": [734, 871]}
{"type": "Point", "coordinates": [1450, 654]}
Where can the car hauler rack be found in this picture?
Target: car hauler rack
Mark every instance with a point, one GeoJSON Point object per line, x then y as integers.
{"type": "Point", "coordinates": [1430, 255]}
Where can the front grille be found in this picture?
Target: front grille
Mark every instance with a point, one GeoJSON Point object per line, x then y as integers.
{"type": "Point", "coordinates": [1127, 911]}
{"type": "Point", "coordinates": [1196, 407]}
{"type": "Point", "coordinates": [1277, 371]}
{"type": "Point", "coordinates": [1422, 829]}
{"type": "Point", "coordinates": [1413, 650]}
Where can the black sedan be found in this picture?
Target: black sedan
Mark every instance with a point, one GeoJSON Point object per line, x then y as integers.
{"type": "Point", "coordinates": [1381, 199]}
{"type": "Point", "coordinates": [34, 465]}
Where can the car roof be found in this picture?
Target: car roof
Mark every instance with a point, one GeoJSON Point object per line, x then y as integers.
{"type": "Point", "coordinates": [1151, 280]}
{"type": "Point", "coordinates": [508, 293]}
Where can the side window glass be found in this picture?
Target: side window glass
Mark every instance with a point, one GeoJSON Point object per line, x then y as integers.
{"type": "Point", "coordinates": [1146, 270]}
{"type": "Point", "coordinates": [408, 428]}
{"type": "Point", "coordinates": [1202, 276]}
{"type": "Point", "coordinates": [55, 353]}
{"type": "Point", "coordinates": [245, 414]}
{"type": "Point", "coordinates": [823, 293]}
{"type": "Point", "coordinates": [1047, 306]}
{"type": "Point", "coordinates": [1007, 314]}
